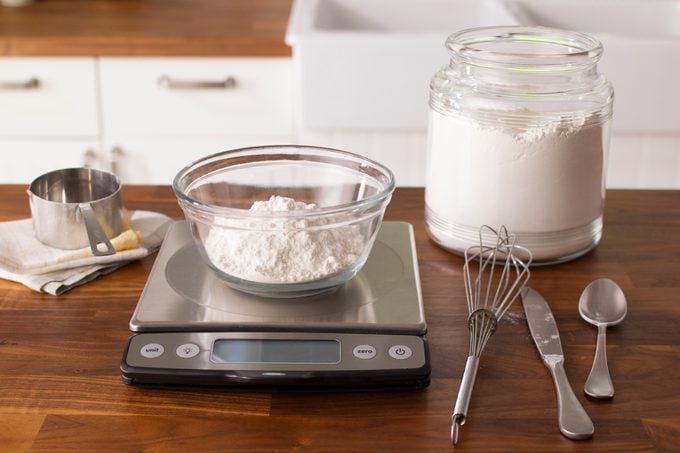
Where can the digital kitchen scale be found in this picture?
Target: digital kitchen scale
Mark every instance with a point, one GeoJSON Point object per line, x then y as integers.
{"type": "Point", "coordinates": [194, 330]}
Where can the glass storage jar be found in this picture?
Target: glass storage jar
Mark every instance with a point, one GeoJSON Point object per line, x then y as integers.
{"type": "Point", "coordinates": [519, 136]}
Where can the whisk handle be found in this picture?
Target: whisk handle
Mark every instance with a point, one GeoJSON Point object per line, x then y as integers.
{"type": "Point", "coordinates": [464, 395]}
{"type": "Point", "coordinates": [572, 418]}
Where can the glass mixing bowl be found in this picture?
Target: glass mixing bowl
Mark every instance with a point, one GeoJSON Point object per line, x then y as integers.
{"type": "Point", "coordinates": [284, 221]}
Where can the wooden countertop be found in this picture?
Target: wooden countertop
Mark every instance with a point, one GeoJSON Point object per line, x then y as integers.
{"type": "Point", "coordinates": [145, 28]}
{"type": "Point", "coordinates": [61, 388]}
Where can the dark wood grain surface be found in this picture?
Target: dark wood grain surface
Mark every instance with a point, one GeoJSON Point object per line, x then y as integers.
{"type": "Point", "coordinates": [145, 28]}
{"type": "Point", "coordinates": [60, 388]}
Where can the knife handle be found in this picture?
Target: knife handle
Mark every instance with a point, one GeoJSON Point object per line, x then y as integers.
{"type": "Point", "coordinates": [573, 419]}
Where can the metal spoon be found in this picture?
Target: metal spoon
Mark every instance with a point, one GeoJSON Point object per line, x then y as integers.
{"type": "Point", "coordinates": [602, 304]}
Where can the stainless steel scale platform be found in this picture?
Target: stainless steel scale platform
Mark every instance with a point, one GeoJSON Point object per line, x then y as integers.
{"type": "Point", "coordinates": [194, 330]}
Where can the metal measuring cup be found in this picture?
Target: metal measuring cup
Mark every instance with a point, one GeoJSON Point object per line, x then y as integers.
{"type": "Point", "coordinates": [74, 207]}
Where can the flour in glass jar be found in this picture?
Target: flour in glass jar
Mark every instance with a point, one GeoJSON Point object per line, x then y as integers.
{"type": "Point", "coordinates": [541, 174]}
{"type": "Point", "coordinates": [286, 249]}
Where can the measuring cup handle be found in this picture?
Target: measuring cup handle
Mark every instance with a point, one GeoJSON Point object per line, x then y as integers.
{"type": "Point", "coordinates": [95, 232]}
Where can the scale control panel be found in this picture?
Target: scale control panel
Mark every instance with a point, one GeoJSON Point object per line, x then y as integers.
{"type": "Point", "coordinates": [276, 359]}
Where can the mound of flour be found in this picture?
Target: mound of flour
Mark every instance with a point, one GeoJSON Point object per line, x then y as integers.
{"type": "Point", "coordinates": [283, 249]}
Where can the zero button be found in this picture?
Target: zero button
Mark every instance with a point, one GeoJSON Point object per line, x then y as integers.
{"type": "Point", "coordinates": [364, 351]}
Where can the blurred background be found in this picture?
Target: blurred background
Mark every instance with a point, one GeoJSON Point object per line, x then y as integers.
{"type": "Point", "coordinates": [145, 87]}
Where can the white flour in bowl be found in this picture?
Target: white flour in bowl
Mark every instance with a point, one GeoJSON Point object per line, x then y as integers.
{"type": "Point", "coordinates": [540, 176]}
{"type": "Point", "coordinates": [283, 250]}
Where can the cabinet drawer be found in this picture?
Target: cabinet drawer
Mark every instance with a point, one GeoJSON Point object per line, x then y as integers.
{"type": "Point", "coordinates": [157, 161]}
{"type": "Point", "coordinates": [48, 97]}
{"type": "Point", "coordinates": [196, 98]}
{"type": "Point", "coordinates": [25, 160]}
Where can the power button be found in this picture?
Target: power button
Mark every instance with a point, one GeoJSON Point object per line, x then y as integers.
{"type": "Point", "coordinates": [400, 352]}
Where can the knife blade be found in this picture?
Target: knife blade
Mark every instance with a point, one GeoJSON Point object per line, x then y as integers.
{"type": "Point", "coordinates": [573, 420]}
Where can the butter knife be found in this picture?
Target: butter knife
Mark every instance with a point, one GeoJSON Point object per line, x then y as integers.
{"type": "Point", "coordinates": [572, 418]}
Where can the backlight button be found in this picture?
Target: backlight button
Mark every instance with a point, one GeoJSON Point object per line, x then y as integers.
{"type": "Point", "coordinates": [187, 351]}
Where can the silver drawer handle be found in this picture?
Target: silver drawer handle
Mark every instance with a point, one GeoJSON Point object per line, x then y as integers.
{"type": "Point", "coordinates": [117, 157]}
{"type": "Point", "coordinates": [27, 85]}
{"type": "Point", "coordinates": [174, 84]}
{"type": "Point", "coordinates": [89, 158]}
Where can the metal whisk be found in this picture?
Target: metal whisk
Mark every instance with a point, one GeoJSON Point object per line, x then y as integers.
{"type": "Point", "coordinates": [490, 288]}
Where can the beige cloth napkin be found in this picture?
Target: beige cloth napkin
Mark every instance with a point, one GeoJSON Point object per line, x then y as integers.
{"type": "Point", "coordinates": [26, 260]}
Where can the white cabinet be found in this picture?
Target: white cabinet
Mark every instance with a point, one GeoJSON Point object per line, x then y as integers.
{"type": "Point", "coordinates": [640, 161]}
{"type": "Point", "coordinates": [195, 96]}
{"type": "Point", "coordinates": [48, 115]}
{"type": "Point", "coordinates": [140, 160]}
{"type": "Point", "coordinates": [48, 97]}
{"type": "Point", "coordinates": [146, 118]}
{"type": "Point", "coordinates": [644, 161]}
{"type": "Point", "coordinates": [402, 152]}
{"type": "Point", "coordinates": [160, 114]}
{"type": "Point", "coordinates": [143, 118]}
{"type": "Point", "coordinates": [24, 160]}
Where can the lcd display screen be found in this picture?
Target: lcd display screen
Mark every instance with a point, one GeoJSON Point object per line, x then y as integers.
{"type": "Point", "coordinates": [275, 351]}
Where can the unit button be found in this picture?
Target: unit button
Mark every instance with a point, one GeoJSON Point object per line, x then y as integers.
{"type": "Point", "coordinates": [152, 350]}
{"type": "Point", "coordinates": [399, 351]}
{"type": "Point", "coordinates": [188, 350]}
{"type": "Point", "coordinates": [364, 351]}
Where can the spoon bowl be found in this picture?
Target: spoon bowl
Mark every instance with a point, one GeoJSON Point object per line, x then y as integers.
{"type": "Point", "coordinates": [602, 304]}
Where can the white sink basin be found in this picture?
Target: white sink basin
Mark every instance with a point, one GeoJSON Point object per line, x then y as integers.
{"type": "Point", "coordinates": [641, 41]}
{"type": "Point", "coordinates": [367, 64]}
{"type": "Point", "coordinates": [633, 18]}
